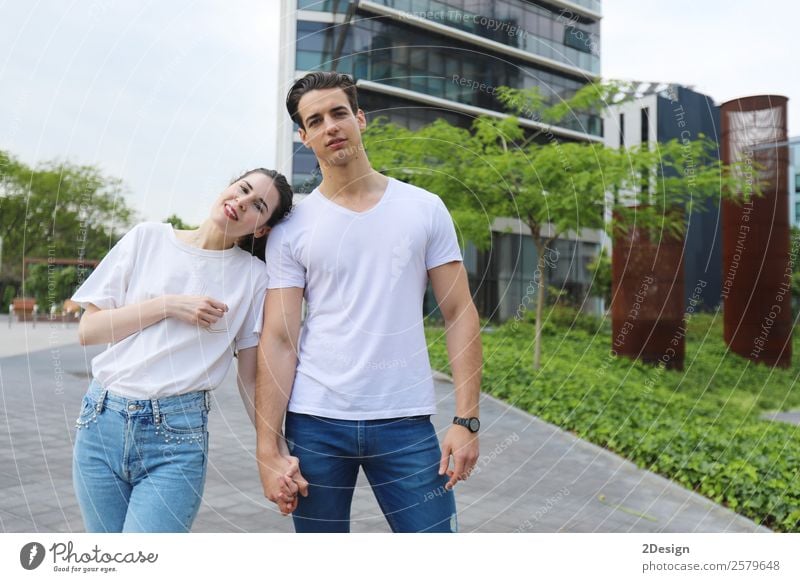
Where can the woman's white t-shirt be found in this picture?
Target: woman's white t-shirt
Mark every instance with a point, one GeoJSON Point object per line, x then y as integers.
{"type": "Point", "coordinates": [173, 357]}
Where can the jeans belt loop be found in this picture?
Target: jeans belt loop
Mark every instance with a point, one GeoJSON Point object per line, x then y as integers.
{"type": "Point", "coordinates": [208, 400]}
{"type": "Point", "coordinates": [98, 407]}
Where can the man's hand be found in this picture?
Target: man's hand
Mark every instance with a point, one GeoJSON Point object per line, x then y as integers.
{"type": "Point", "coordinates": [282, 480]}
{"type": "Point", "coordinates": [463, 446]}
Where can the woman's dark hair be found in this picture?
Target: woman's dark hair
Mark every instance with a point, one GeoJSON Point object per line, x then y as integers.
{"type": "Point", "coordinates": [257, 246]}
{"type": "Point", "coordinates": [320, 80]}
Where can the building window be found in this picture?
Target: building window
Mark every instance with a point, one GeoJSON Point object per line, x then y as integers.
{"type": "Point", "coordinates": [645, 125]}
{"type": "Point", "coordinates": [387, 52]}
{"type": "Point", "coordinates": [580, 40]}
{"type": "Point", "coordinates": [622, 130]}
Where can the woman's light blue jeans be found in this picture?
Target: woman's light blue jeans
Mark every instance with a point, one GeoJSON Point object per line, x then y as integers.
{"type": "Point", "coordinates": [140, 465]}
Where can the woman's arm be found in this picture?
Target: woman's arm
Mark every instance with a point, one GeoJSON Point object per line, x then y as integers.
{"type": "Point", "coordinates": [246, 380]}
{"type": "Point", "coordinates": [101, 326]}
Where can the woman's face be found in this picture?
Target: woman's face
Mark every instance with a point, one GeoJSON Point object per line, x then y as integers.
{"type": "Point", "coordinates": [245, 206]}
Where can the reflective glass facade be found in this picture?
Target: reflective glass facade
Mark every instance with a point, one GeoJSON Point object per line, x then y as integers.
{"type": "Point", "coordinates": [400, 55]}
{"type": "Point", "coordinates": [557, 34]}
{"type": "Point", "coordinates": [504, 279]}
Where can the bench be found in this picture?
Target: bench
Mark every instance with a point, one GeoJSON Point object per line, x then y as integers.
{"type": "Point", "coordinates": [23, 308]}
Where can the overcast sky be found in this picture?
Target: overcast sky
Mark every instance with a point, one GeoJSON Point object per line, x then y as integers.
{"type": "Point", "coordinates": [177, 97]}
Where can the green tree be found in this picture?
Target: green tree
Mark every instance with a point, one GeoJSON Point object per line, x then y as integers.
{"type": "Point", "coordinates": [600, 268]}
{"type": "Point", "coordinates": [58, 210]}
{"type": "Point", "coordinates": [9, 292]}
{"type": "Point", "coordinates": [178, 223]}
{"type": "Point", "coordinates": [36, 280]}
{"type": "Point", "coordinates": [502, 169]}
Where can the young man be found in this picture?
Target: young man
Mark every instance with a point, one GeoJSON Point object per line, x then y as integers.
{"type": "Point", "coordinates": [361, 249]}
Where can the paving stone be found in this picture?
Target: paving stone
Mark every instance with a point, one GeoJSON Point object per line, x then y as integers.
{"type": "Point", "coordinates": [525, 468]}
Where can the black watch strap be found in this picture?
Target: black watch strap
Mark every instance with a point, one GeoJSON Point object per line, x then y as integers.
{"type": "Point", "coordinates": [473, 424]}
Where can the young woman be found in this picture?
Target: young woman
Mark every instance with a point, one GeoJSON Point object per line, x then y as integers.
{"type": "Point", "coordinates": [174, 307]}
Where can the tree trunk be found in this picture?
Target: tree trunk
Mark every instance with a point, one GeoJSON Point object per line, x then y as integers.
{"type": "Point", "coordinates": [542, 281]}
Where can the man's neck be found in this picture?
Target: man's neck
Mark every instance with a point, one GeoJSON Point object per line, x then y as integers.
{"type": "Point", "coordinates": [356, 185]}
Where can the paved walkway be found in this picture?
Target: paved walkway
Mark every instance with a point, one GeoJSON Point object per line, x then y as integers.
{"type": "Point", "coordinates": [531, 477]}
{"type": "Point", "coordinates": [792, 417]}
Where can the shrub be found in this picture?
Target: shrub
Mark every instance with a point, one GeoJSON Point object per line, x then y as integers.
{"type": "Point", "coordinates": [700, 427]}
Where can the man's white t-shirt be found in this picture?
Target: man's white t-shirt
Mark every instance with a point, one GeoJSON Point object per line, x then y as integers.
{"type": "Point", "coordinates": [173, 357]}
{"type": "Point", "coordinates": [362, 352]}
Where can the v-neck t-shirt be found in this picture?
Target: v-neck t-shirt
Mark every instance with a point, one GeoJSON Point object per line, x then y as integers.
{"type": "Point", "coordinates": [362, 351]}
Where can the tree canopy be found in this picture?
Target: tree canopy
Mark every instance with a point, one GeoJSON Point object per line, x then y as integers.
{"type": "Point", "coordinates": [58, 209]}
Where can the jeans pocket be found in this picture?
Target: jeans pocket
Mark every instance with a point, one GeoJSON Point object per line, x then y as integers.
{"type": "Point", "coordinates": [88, 412]}
{"type": "Point", "coordinates": [184, 425]}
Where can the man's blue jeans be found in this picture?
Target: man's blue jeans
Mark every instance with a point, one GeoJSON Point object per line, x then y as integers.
{"type": "Point", "coordinates": [400, 457]}
{"type": "Point", "coordinates": [140, 465]}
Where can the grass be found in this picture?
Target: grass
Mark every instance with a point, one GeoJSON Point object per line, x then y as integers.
{"type": "Point", "coordinates": [700, 427]}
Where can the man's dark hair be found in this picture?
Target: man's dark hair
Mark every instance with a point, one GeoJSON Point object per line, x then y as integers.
{"type": "Point", "coordinates": [320, 80]}
{"type": "Point", "coordinates": [257, 246]}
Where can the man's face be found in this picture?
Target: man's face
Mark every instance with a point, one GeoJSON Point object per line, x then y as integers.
{"type": "Point", "coordinates": [331, 129]}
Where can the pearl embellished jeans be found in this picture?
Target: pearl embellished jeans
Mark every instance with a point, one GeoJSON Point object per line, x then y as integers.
{"type": "Point", "coordinates": [140, 465]}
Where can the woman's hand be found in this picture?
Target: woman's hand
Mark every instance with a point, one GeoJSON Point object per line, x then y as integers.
{"type": "Point", "coordinates": [194, 309]}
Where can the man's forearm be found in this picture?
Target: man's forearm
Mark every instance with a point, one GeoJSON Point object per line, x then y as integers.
{"type": "Point", "coordinates": [466, 360]}
{"type": "Point", "coordinates": [276, 369]}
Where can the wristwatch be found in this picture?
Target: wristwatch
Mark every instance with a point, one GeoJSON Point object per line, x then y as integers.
{"type": "Point", "coordinates": [472, 424]}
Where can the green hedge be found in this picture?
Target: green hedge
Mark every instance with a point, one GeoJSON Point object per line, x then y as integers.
{"type": "Point", "coordinates": [699, 427]}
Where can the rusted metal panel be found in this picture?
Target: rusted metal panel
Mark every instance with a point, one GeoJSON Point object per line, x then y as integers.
{"type": "Point", "coordinates": [647, 309]}
{"type": "Point", "coordinates": [756, 271]}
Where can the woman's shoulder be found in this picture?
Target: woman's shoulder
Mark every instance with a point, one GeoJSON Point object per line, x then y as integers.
{"type": "Point", "coordinates": [149, 228]}
{"type": "Point", "coordinates": [140, 234]}
{"type": "Point", "coordinates": [158, 227]}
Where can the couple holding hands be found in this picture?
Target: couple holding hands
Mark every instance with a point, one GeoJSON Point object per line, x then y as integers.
{"type": "Point", "coordinates": [348, 387]}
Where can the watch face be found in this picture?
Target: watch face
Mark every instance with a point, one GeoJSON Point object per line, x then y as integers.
{"type": "Point", "coordinates": [474, 424]}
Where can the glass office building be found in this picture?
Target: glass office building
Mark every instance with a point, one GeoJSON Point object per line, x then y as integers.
{"type": "Point", "coordinates": [416, 61]}
{"type": "Point", "coordinates": [794, 181]}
